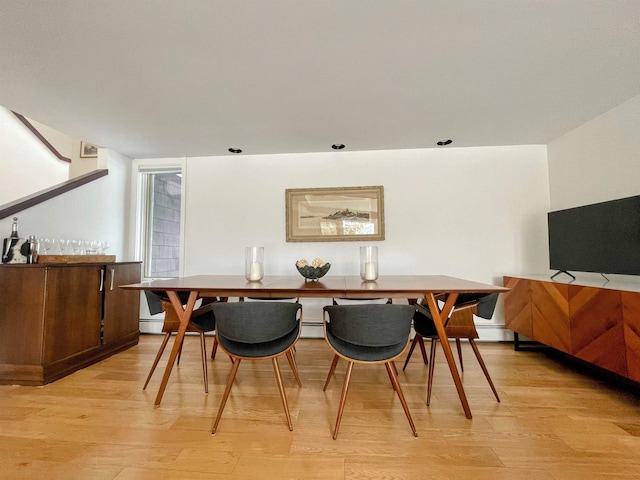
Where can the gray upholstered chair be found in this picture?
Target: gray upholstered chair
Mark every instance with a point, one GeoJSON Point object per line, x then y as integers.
{"type": "Point", "coordinates": [256, 331]}
{"type": "Point", "coordinates": [368, 334]}
{"type": "Point", "coordinates": [352, 301]}
{"type": "Point", "coordinates": [201, 322]}
{"type": "Point", "coordinates": [460, 325]}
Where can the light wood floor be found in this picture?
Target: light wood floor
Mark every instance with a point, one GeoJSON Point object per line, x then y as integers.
{"type": "Point", "coordinates": [554, 422]}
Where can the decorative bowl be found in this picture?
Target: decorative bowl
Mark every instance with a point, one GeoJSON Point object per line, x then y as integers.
{"type": "Point", "coordinates": [313, 273]}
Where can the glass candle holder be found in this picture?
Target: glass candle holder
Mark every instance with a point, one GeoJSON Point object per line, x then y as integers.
{"type": "Point", "coordinates": [254, 263]}
{"type": "Point", "coordinates": [369, 263]}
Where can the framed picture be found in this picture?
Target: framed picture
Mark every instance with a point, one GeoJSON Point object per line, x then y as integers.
{"type": "Point", "coordinates": [335, 214]}
{"type": "Point", "coordinates": [88, 151]}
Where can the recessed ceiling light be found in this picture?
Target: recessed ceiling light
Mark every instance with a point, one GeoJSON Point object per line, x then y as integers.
{"type": "Point", "coordinates": [443, 143]}
{"type": "Point", "coordinates": [235, 150]}
{"type": "Point", "coordinates": [337, 146]}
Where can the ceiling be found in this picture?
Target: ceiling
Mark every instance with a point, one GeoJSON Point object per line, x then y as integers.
{"type": "Point", "coordinates": [170, 78]}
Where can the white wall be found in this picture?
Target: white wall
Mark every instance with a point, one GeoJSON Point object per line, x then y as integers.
{"type": "Point", "coordinates": [96, 211]}
{"type": "Point", "coordinates": [598, 161]}
{"type": "Point", "coordinates": [26, 165]}
{"type": "Point", "coordinates": [476, 213]}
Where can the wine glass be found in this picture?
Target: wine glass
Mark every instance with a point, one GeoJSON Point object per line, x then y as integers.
{"type": "Point", "coordinates": [104, 245]}
{"type": "Point", "coordinates": [76, 246]}
{"type": "Point", "coordinates": [95, 247]}
{"type": "Point", "coordinates": [63, 243]}
{"type": "Point", "coordinates": [48, 244]}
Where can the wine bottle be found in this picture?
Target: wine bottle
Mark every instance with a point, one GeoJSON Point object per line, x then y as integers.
{"type": "Point", "coordinates": [14, 228]}
{"type": "Point", "coordinates": [14, 248]}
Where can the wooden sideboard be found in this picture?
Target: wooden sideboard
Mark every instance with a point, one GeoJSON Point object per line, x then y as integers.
{"type": "Point", "coordinates": [599, 324]}
{"type": "Point", "coordinates": [58, 318]}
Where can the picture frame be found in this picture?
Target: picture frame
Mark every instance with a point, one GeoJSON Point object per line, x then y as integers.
{"type": "Point", "coordinates": [335, 214]}
{"type": "Point", "coordinates": [87, 150]}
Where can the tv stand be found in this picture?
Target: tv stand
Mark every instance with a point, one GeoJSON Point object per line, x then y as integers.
{"type": "Point", "coordinates": [562, 271]}
{"type": "Point", "coordinates": [597, 324]}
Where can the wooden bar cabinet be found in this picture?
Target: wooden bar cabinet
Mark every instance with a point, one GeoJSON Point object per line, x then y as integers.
{"type": "Point", "coordinates": [58, 318]}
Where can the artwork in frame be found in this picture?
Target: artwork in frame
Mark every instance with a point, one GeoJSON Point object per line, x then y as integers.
{"type": "Point", "coordinates": [88, 151]}
{"type": "Point", "coordinates": [335, 214]}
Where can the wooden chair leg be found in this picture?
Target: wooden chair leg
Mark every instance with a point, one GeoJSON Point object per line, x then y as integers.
{"type": "Point", "coordinates": [157, 359]}
{"type": "Point", "coordinates": [294, 368]}
{"type": "Point", "coordinates": [396, 386]}
{"type": "Point", "coordinates": [395, 369]}
{"type": "Point", "coordinates": [423, 350]}
{"type": "Point", "coordinates": [343, 398]}
{"type": "Point", "coordinates": [459, 347]}
{"type": "Point", "coordinates": [203, 355]}
{"type": "Point", "coordinates": [432, 361]}
{"type": "Point", "coordinates": [417, 340]}
{"type": "Point", "coordinates": [331, 371]}
{"type": "Point", "coordinates": [413, 346]}
{"type": "Point", "coordinates": [484, 367]}
{"type": "Point", "coordinates": [215, 348]}
{"type": "Point", "coordinates": [283, 396]}
{"type": "Point", "coordinates": [393, 385]}
{"type": "Point", "coordinates": [225, 395]}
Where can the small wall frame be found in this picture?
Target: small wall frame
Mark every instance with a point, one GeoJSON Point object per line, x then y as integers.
{"type": "Point", "coordinates": [88, 151]}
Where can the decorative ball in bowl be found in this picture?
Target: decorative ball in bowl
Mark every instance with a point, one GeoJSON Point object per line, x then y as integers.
{"type": "Point", "coordinates": [317, 269]}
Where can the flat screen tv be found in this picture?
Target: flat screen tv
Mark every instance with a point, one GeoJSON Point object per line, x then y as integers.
{"type": "Point", "coordinates": [602, 238]}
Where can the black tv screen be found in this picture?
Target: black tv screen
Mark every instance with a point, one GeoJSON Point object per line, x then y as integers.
{"type": "Point", "coordinates": [602, 237]}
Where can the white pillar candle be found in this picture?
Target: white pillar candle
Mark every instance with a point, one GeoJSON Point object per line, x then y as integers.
{"type": "Point", "coordinates": [370, 271]}
{"type": "Point", "coordinates": [256, 273]}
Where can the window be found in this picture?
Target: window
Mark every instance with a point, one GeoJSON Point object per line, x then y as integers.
{"type": "Point", "coordinates": [160, 213]}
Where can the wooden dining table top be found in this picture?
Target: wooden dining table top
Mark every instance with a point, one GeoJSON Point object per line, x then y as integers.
{"type": "Point", "coordinates": [392, 286]}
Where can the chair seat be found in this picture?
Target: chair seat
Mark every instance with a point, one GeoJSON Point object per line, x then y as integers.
{"type": "Point", "coordinates": [364, 353]}
{"type": "Point", "coordinates": [259, 350]}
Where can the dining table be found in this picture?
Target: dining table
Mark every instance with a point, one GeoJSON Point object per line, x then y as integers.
{"type": "Point", "coordinates": [428, 288]}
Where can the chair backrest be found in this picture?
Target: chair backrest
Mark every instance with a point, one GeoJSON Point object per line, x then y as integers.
{"type": "Point", "coordinates": [460, 323]}
{"type": "Point", "coordinates": [155, 298]}
{"type": "Point", "coordinates": [361, 301]}
{"type": "Point", "coordinates": [255, 322]}
{"type": "Point", "coordinates": [487, 305]}
{"type": "Point", "coordinates": [269, 299]}
{"type": "Point", "coordinates": [370, 325]}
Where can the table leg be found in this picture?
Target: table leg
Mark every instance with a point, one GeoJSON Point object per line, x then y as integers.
{"type": "Point", "coordinates": [184, 313]}
{"type": "Point", "coordinates": [439, 319]}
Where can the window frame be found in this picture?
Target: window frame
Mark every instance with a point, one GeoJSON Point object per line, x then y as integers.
{"type": "Point", "coordinates": [140, 223]}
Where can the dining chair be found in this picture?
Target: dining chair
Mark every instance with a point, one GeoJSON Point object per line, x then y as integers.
{"type": "Point", "coordinates": [352, 301]}
{"type": "Point", "coordinates": [258, 331]}
{"type": "Point", "coordinates": [368, 334]}
{"type": "Point", "coordinates": [459, 326]}
{"type": "Point", "coordinates": [202, 321]}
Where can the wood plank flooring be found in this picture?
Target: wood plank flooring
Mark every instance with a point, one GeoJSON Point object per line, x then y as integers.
{"type": "Point", "coordinates": [554, 422]}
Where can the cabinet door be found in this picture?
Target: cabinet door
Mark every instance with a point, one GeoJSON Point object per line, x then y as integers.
{"type": "Point", "coordinates": [597, 330]}
{"type": "Point", "coordinates": [121, 307]}
{"type": "Point", "coordinates": [73, 311]}
{"type": "Point", "coordinates": [550, 313]}
{"type": "Point", "coordinates": [631, 320]}
{"type": "Point", "coordinates": [517, 306]}
{"type": "Point", "coordinates": [21, 305]}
